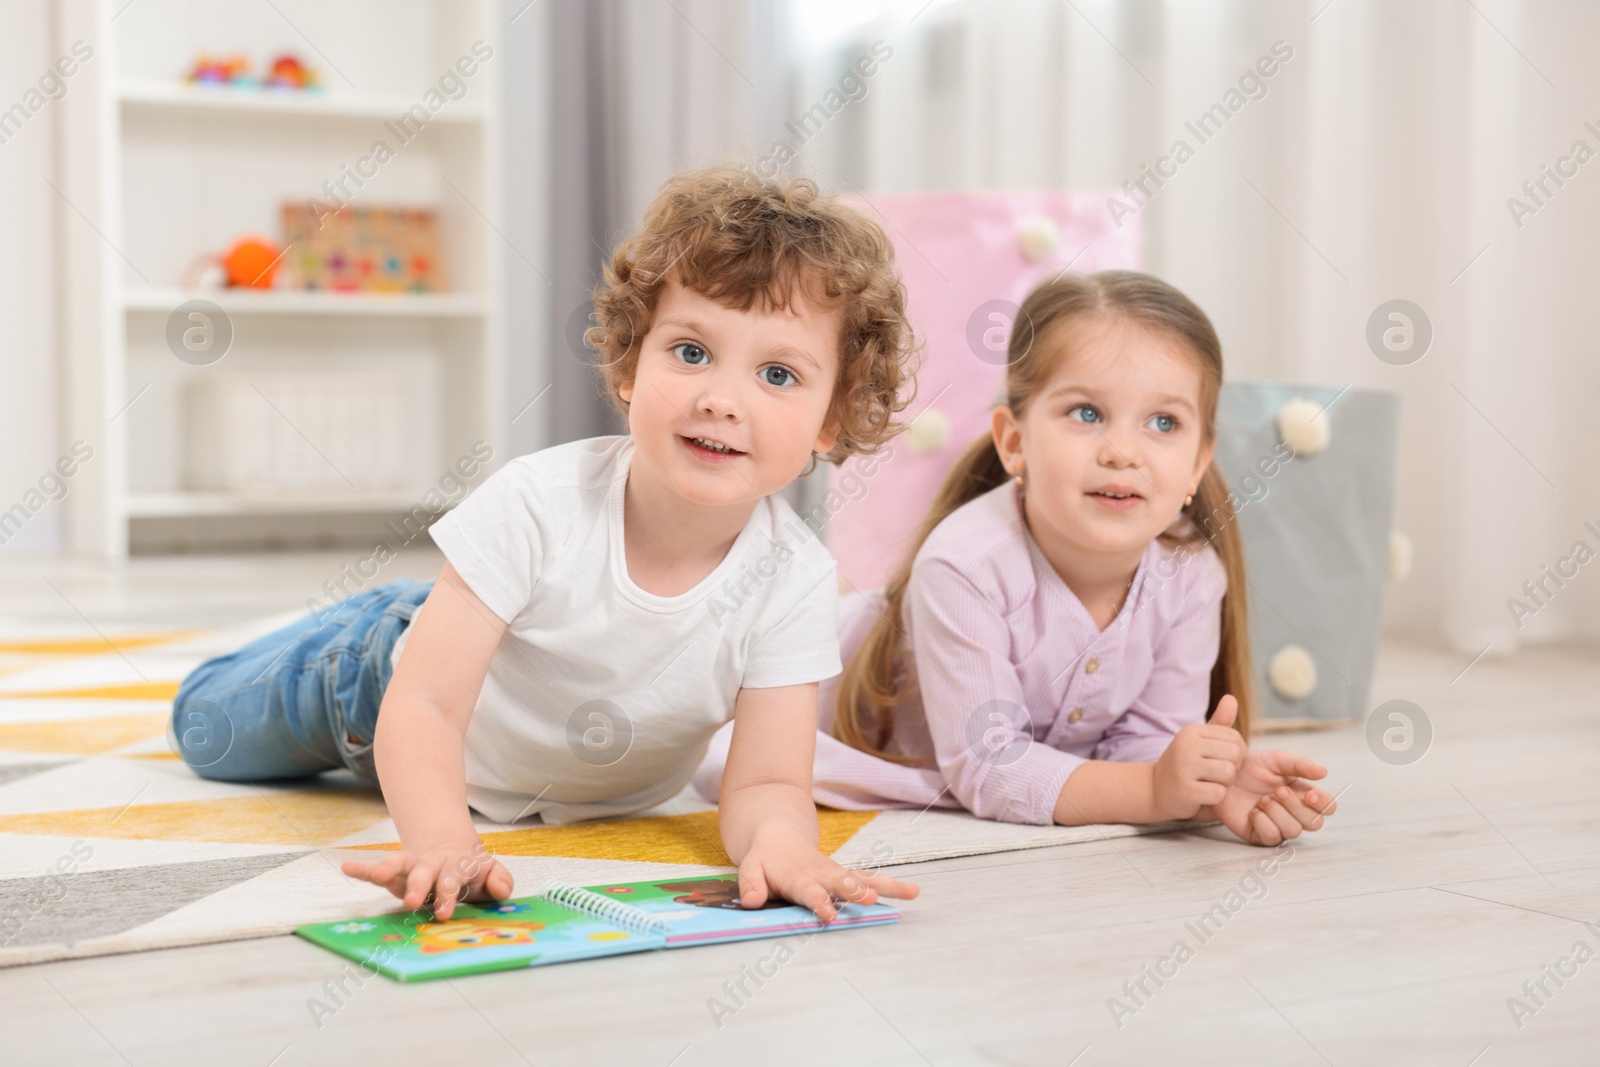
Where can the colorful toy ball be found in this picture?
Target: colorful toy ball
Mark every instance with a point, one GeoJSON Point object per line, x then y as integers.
{"type": "Point", "coordinates": [288, 72]}
{"type": "Point", "coordinates": [251, 262]}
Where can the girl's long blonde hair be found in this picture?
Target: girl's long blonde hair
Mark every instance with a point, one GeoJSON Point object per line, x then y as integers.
{"type": "Point", "coordinates": [877, 679]}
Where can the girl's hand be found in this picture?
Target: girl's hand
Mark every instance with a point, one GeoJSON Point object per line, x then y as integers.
{"type": "Point", "coordinates": [1199, 764]}
{"type": "Point", "coordinates": [1266, 803]}
{"type": "Point", "coordinates": [448, 873]}
{"type": "Point", "coordinates": [783, 865]}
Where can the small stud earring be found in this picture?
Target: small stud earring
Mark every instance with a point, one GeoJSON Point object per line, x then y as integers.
{"type": "Point", "coordinates": [1019, 478]}
{"type": "Point", "coordinates": [1188, 500]}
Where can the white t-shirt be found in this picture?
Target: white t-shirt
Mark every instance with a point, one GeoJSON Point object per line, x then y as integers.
{"type": "Point", "coordinates": [602, 697]}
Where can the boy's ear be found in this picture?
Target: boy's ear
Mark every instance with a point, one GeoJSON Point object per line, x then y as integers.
{"type": "Point", "coordinates": [828, 437]}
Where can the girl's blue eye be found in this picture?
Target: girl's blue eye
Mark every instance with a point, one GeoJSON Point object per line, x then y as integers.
{"type": "Point", "coordinates": [1089, 413]}
{"type": "Point", "coordinates": [694, 347]}
{"type": "Point", "coordinates": [787, 379]}
{"type": "Point", "coordinates": [1164, 423]}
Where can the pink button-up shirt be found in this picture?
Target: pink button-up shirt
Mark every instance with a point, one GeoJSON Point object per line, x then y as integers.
{"type": "Point", "coordinates": [1017, 686]}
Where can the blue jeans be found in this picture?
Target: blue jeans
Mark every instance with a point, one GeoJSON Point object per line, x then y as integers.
{"type": "Point", "coordinates": [298, 701]}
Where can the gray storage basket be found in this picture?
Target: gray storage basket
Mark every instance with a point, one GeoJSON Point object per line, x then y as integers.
{"type": "Point", "coordinates": [1316, 539]}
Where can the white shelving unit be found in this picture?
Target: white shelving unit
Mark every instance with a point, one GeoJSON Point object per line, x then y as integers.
{"type": "Point", "coordinates": [283, 302]}
{"type": "Point", "coordinates": [178, 97]}
{"type": "Point", "coordinates": [155, 172]}
{"type": "Point", "coordinates": [177, 505]}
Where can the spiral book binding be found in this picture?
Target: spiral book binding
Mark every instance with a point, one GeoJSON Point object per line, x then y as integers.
{"type": "Point", "coordinates": [612, 911]}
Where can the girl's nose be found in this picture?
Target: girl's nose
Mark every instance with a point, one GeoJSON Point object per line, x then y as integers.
{"type": "Point", "coordinates": [1118, 449]}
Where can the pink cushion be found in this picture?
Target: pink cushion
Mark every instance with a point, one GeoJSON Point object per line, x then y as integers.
{"type": "Point", "coordinates": [957, 252]}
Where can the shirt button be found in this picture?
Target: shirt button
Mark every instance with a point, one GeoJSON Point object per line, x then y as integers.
{"type": "Point", "coordinates": [1092, 666]}
{"type": "Point", "coordinates": [1077, 713]}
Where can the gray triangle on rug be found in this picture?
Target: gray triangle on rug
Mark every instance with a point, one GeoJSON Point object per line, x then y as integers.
{"type": "Point", "coordinates": [11, 772]}
{"type": "Point", "coordinates": [67, 908]}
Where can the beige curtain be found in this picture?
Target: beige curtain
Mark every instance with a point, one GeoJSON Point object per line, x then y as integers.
{"type": "Point", "coordinates": [632, 90]}
{"type": "Point", "coordinates": [1375, 163]}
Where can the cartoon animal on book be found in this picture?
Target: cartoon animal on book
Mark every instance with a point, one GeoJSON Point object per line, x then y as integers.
{"type": "Point", "coordinates": [713, 893]}
{"type": "Point", "coordinates": [435, 937]}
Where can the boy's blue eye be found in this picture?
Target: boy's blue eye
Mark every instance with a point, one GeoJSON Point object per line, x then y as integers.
{"type": "Point", "coordinates": [691, 345]}
{"type": "Point", "coordinates": [1164, 423]}
{"type": "Point", "coordinates": [787, 375]}
{"type": "Point", "coordinates": [1089, 413]}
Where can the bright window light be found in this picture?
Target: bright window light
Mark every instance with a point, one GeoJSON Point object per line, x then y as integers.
{"type": "Point", "coordinates": [819, 24]}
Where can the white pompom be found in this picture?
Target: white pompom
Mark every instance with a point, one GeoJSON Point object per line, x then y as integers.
{"type": "Point", "coordinates": [1303, 425]}
{"type": "Point", "coordinates": [1399, 555]}
{"type": "Point", "coordinates": [928, 431]}
{"type": "Point", "coordinates": [1292, 672]}
{"type": "Point", "coordinates": [1040, 238]}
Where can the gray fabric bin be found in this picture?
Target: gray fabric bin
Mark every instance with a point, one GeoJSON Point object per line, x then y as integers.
{"type": "Point", "coordinates": [1316, 537]}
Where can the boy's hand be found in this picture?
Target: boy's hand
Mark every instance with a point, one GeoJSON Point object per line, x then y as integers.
{"type": "Point", "coordinates": [449, 873]}
{"type": "Point", "coordinates": [1197, 767]}
{"type": "Point", "coordinates": [1267, 803]}
{"type": "Point", "coordinates": [783, 865]}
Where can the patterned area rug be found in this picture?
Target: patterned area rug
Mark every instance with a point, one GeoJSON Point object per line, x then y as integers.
{"type": "Point", "coordinates": [109, 843]}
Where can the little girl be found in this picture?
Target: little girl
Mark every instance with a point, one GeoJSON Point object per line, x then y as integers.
{"type": "Point", "coordinates": [579, 647]}
{"type": "Point", "coordinates": [1074, 601]}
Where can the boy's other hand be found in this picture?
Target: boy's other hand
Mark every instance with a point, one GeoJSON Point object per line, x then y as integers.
{"type": "Point", "coordinates": [784, 866]}
{"type": "Point", "coordinates": [451, 873]}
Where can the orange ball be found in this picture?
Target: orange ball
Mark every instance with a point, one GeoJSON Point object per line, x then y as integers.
{"type": "Point", "coordinates": [251, 262]}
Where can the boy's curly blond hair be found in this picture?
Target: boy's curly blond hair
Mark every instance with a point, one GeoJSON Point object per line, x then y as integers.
{"type": "Point", "coordinates": [733, 236]}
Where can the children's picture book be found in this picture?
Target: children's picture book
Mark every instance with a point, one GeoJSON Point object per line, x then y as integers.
{"type": "Point", "coordinates": [565, 922]}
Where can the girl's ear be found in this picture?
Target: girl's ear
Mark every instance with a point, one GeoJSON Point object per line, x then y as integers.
{"type": "Point", "coordinates": [625, 391]}
{"type": "Point", "coordinates": [1007, 438]}
{"type": "Point", "coordinates": [1203, 460]}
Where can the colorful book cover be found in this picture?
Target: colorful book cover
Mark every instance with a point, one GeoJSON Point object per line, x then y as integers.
{"type": "Point", "coordinates": [563, 923]}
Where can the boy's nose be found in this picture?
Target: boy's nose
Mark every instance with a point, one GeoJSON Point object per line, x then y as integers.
{"type": "Point", "coordinates": [719, 403]}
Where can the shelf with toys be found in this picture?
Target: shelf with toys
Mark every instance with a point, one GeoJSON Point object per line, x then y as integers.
{"type": "Point", "coordinates": [287, 85]}
{"type": "Point", "coordinates": [161, 300]}
{"type": "Point", "coordinates": [183, 98]}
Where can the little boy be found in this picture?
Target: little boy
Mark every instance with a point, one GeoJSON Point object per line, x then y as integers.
{"type": "Point", "coordinates": [607, 604]}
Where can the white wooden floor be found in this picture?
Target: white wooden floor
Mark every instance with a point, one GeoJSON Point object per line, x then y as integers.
{"type": "Point", "coordinates": [1396, 935]}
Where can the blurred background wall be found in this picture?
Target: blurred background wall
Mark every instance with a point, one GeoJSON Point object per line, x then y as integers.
{"type": "Point", "coordinates": [29, 427]}
{"type": "Point", "coordinates": [1378, 161]}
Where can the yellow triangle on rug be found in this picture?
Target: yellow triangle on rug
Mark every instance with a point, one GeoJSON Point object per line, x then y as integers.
{"type": "Point", "coordinates": [81, 737]}
{"type": "Point", "coordinates": [311, 818]}
{"type": "Point", "coordinates": [93, 646]}
{"type": "Point", "coordinates": [132, 691]}
{"type": "Point", "coordinates": [689, 838]}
